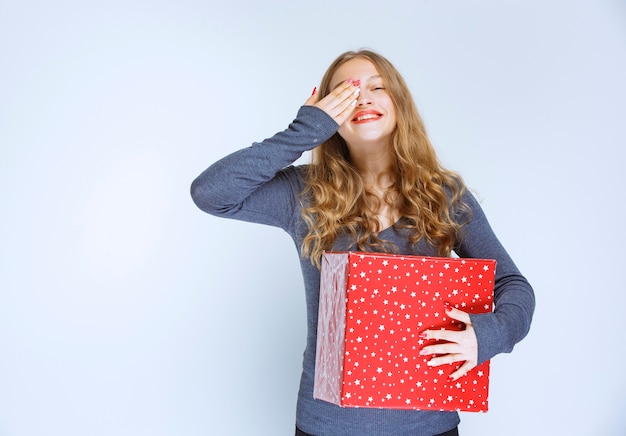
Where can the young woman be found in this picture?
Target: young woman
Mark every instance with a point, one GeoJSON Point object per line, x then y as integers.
{"type": "Point", "coordinates": [374, 184]}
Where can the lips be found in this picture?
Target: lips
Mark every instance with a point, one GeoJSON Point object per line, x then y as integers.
{"type": "Point", "coordinates": [366, 116]}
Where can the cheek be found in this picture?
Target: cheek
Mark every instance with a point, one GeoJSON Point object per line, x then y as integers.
{"type": "Point", "coordinates": [344, 130]}
{"type": "Point", "coordinates": [390, 107]}
{"type": "Point", "coordinates": [391, 113]}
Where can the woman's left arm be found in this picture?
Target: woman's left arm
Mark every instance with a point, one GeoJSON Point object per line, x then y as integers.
{"type": "Point", "coordinates": [486, 334]}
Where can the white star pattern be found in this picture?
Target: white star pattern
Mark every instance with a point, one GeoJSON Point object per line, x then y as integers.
{"type": "Point", "coordinates": [383, 332]}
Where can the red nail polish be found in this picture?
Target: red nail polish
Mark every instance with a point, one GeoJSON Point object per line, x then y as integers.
{"type": "Point", "coordinates": [350, 81]}
{"type": "Point", "coordinates": [357, 83]}
{"type": "Point", "coordinates": [314, 90]}
{"type": "Point", "coordinates": [423, 336]}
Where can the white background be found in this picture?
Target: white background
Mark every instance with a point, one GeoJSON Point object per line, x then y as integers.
{"type": "Point", "coordinates": [124, 310]}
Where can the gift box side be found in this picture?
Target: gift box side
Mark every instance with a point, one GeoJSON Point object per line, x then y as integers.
{"type": "Point", "coordinates": [331, 328]}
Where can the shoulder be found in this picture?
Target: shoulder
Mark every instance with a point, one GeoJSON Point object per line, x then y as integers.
{"type": "Point", "coordinates": [296, 172]}
{"type": "Point", "coordinates": [295, 175]}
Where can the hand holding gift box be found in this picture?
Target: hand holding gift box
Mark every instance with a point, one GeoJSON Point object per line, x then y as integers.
{"type": "Point", "coordinates": [381, 318]}
{"type": "Point", "coordinates": [457, 346]}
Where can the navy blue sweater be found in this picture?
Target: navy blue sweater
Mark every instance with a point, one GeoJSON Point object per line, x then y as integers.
{"type": "Point", "coordinates": [259, 184]}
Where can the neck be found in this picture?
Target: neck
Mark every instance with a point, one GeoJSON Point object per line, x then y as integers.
{"type": "Point", "coordinates": [373, 164]}
{"type": "Point", "coordinates": [373, 167]}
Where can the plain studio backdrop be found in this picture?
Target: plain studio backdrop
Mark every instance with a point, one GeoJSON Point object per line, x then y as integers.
{"type": "Point", "coordinates": [124, 310]}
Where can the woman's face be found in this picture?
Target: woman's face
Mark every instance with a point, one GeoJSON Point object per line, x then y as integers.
{"type": "Point", "coordinates": [373, 119]}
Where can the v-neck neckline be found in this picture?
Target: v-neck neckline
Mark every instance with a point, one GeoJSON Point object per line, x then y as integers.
{"type": "Point", "coordinates": [392, 226]}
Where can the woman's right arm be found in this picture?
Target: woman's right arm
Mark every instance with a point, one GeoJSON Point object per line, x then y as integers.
{"type": "Point", "coordinates": [248, 184]}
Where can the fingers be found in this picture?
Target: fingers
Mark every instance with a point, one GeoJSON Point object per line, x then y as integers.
{"type": "Point", "coordinates": [456, 347]}
{"type": "Point", "coordinates": [463, 369]}
{"type": "Point", "coordinates": [449, 353]}
{"type": "Point", "coordinates": [446, 359]}
{"type": "Point", "coordinates": [443, 348]}
{"type": "Point", "coordinates": [457, 314]}
{"type": "Point", "coordinates": [463, 342]}
{"type": "Point", "coordinates": [314, 98]}
{"type": "Point", "coordinates": [442, 335]}
{"type": "Point", "coordinates": [340, 102]}
{"type": "Point", "coordinates": [453, 346]}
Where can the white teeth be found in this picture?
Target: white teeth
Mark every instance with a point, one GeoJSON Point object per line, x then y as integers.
{"type": "Point", "coordinates": [366, 117]}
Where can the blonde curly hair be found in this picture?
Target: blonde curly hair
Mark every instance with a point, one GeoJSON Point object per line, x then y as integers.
{"type": "Point", "coordinates": [424, 193]}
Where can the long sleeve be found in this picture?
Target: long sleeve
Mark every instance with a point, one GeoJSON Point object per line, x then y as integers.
{"type": "Point", "coordinates": [514, 298]}
{"type": "Point", "coordinates": [250, 184]}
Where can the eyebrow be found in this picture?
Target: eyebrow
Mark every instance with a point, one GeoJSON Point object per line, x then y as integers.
{"type": "Point", "coordinates": [376, 76]}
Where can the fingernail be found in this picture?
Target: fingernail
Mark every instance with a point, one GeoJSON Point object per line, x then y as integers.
{"type": "Point", "coordinates": [447, 306]}
{"type": "Point", "coordinates": [314, 90]}
{"type": "Point", "coordinates": [350, 81]}
{"type": "Point", "coordinates": [423, 336]}
{"type": "Point", "coordinates": [357, 83]}
{"type": "Point", "coordinates": [423, 352]}
{"type": "Point", "coordinates": [357, 91]}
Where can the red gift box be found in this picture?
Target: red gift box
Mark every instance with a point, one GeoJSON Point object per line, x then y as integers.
{"type": "Point", "coordinates": [373, 306]}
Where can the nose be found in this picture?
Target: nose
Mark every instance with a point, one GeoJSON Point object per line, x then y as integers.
{"type": "Point", "coordinates": [363, 99]}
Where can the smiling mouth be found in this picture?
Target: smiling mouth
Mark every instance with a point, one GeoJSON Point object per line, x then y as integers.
{"type": "Point", "coordinates": [366, 117]}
